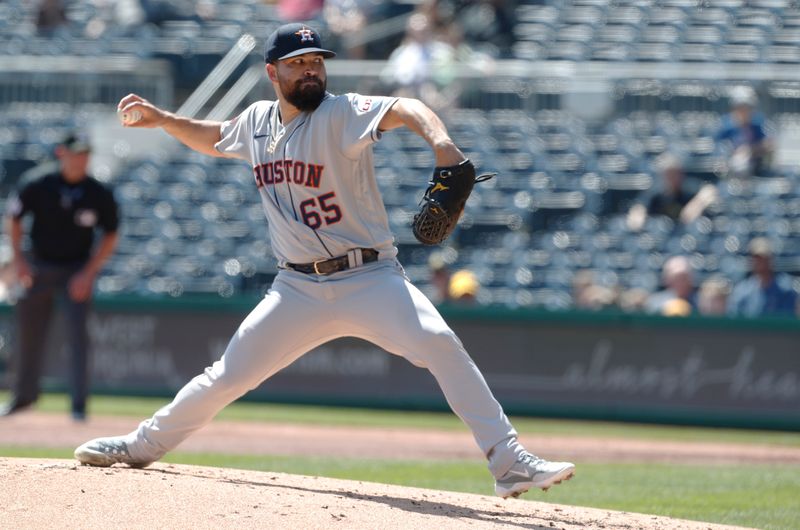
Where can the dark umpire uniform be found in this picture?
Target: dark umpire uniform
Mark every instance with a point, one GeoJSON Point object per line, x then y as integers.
{"type": "Point", "coordinates": [67, 206]}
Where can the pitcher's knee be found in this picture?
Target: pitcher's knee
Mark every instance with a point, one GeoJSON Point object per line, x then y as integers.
{"type": "Point", "coordinates": [229, 383]}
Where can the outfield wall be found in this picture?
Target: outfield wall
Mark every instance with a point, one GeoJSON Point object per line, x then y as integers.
{"type": "Point", "coordinates": [743, 373]}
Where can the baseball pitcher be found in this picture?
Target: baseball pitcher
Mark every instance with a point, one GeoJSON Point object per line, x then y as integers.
{"type": "Point", "coordinates": [311, 154]}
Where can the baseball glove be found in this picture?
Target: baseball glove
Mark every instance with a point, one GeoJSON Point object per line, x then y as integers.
{"type": "Point", "coordinates": [444, 201]}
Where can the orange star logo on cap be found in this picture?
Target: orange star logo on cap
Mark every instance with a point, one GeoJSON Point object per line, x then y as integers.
{"type": "Point", "coordinates": [305, 34]}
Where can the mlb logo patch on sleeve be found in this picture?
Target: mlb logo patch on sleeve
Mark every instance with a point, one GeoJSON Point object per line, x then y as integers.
{"type": "Point", "coordinates": [362, 104]}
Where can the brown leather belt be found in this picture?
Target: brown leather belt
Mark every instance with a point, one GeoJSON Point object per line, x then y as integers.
{"type": "Point", "coordinates": [341, 263]}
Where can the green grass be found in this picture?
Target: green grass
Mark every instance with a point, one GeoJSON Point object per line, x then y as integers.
{"type": "Point", "coordinates": [15, 451]}
{"type": "Point", "coordinates": [317, 415]}
{"type": "Point", "coordinates": [761, 496]}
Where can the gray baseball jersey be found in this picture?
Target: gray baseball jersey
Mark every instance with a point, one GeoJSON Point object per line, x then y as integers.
{"type": "Point", "coordinates": [316, 176]}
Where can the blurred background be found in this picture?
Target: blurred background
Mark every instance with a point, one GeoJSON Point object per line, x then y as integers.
{"type": "Point", "coordinates": [572, 102]}
{"type": "Point", "coordinates": [647, 153]}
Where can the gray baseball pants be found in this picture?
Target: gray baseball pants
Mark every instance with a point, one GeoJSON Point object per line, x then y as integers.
{"type": "Point", "coordinates": [375, 302]}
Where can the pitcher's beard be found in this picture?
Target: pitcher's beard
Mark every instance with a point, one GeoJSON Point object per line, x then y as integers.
{"type": "Point", "coordinates": [306, 96]}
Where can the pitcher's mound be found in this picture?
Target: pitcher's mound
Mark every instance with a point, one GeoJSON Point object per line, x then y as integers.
{"type": "Point", "coordinates": [62, 493]}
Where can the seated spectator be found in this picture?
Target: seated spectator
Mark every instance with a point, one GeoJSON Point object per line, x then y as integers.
{"type": "Point", "coordinates": [413, 67]}
{"type": "Point", "coordinates": [439, 279]}
{"type": "Point", "coordinates": [589, 295]}
{"type": "Point", "coordinates": [299, 10]}
{"type": "Point", "coordinates": [129, 14]}
{"type": "Point", "coordinates": [712, 298]}
{"type": "Point", "coordinates": [677, 307]}
{"type": "Point", "coordinates": [487, 25]}
{"type": "Point", "coordinates": [50, 15]}
{"type": "Point", "coordinates": [742, 139]}
{"type": "Point", "coordinates": [633, 300]}
{"type": "Point", "coordinates": [430, 60]}
{"type": "Point", "coordinates": [671, 197]}
{"type": "Point", "coordinates": [764, 292]}
{"type": "Point", "coordinates": [345, 18]}
{"type": "Point", "coordinates": [464, 287]}
{"type": "Point", "coordinates": [678, 280]}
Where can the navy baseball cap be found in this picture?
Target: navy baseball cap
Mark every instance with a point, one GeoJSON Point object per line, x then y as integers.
{"type": "Point", "coordinates": [77, 142]}
{"type": "Point", "coordinates": [290, 40]}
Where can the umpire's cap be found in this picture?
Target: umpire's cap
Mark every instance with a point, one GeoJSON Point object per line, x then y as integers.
{"type": "Point", "coordinates": [77, 142]}
{"type": "Point", "coordinates": [294, 39]}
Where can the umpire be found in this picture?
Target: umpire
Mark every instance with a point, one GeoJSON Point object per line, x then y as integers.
{"type": "Point", "coordinates": [66, 205]}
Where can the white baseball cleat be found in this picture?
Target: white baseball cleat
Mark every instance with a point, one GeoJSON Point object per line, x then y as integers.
{"type": "Point", "coordinates": [530, 471]}
{"type": "Point", "coordinates": [104, 452]}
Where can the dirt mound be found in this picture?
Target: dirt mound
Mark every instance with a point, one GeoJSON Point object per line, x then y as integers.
{"type": "Point", "coordinates": [61, 493]}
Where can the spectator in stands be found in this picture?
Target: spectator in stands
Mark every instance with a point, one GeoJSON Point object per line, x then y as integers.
{"type": "Point", "coordinates": [712, 297]}
{"type": "Point", "coordinates": [413, 67]}
{"type": "Point", "coordinates": [67, 205]}
{"type": "Point", "coordinates": [299, 10]}
{"type": "Point", "coordinates": [764, 292]}
{"type": "Point", "coordinates": [464, 287]}
{"type": "Point", "coordinates": [440, 278]}
{"type": "Point", "coordinates": [363, 29]}
{"type": "Point", "coordinates": [487, 25]}
{"type": "Point", "coordinates": [633, 300]}
{"type": "Point", "coordinates": [742, 139]}
{"type": "Point", "coordinates": [678, 297]}
{"type": "Point", "coordinates": [428, 62]}
{"type": "Point", "coordinates": [671, 197]}
{"type": "Point", "coordinates": [344, 19]}
{"type": "Point", "coordinates": [589, 295]}
{"type": "Point", "coordinates": [50, 15]}
{"type": "Point", "coordinates": [677, 307]}
{"type": "Point", "coordinates": [114, 16]}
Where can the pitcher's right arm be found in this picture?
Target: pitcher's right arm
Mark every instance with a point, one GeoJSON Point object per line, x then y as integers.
{"type": "Point", "coordinates": [200, 135]}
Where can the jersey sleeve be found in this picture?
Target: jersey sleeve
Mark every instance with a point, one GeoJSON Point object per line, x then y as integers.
{"type": "Point", "coordinates": [360, 120]}
{"type": "Point", "coordinates": [21, 203]}
{"type": "Point", "coordinates": [236, 135]}
{"type": "Point", "coordinates": [109, 212]}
